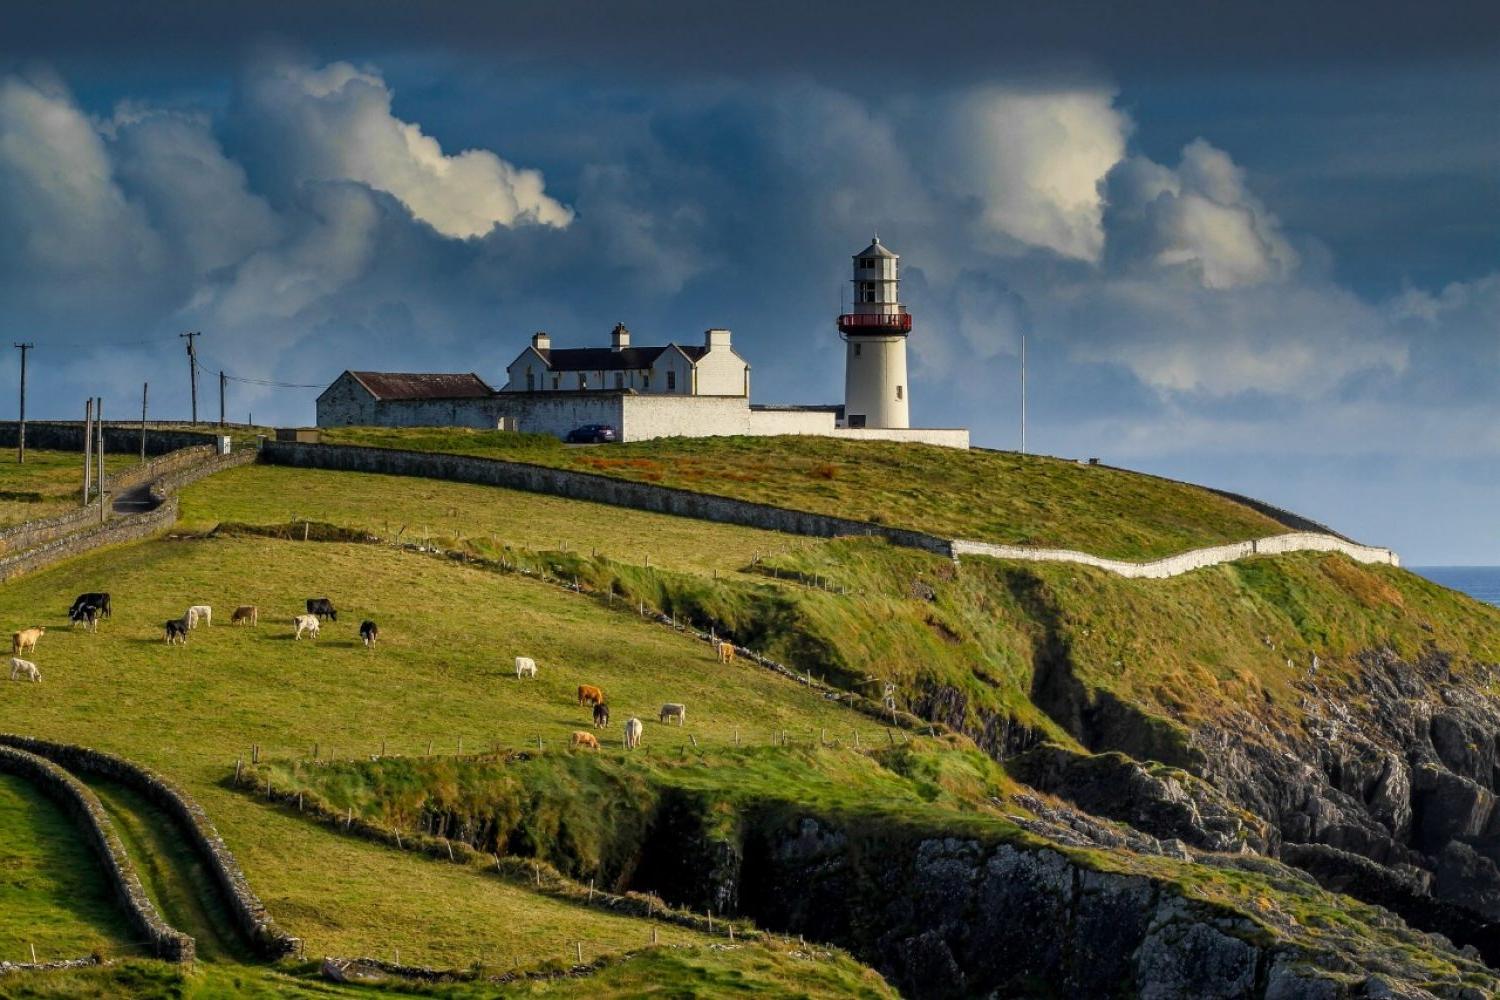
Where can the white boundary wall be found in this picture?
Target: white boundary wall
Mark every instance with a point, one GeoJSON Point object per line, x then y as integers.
{"type": "Point", "coordinates": [943, 437]}
{"type": "Point", "coordinates": [1185, 562]}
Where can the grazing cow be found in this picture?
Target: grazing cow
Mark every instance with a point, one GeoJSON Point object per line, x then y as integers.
{"type": "Point", "coordinates": [369, 632]}
{"type": "Point", "coordinates": [674, 710]}
{"type": "Point", "coordinates": [306, 623]}
{"type": "Point", "coordinates": [725, 650]}
{"type": "Point", "coordinates": [322, 607]}
{"type": "Point", "coordinates": [25, 640]}
{"type": "Point", "coordinates": [583, 739]}
{"type": "Point", "coordinates": [99, 600]}
{"type": "Point", "coordinates": [177, 630]}
{"type": "Point", "coordinates": [525, 667]}
{"type": "Point", "coordinates": [88, 614]}
{"type": "Point", "coordinates": [199, 612]}
{"type": "Point", "coordinates": [633, 731]}
{"type": "Point", "coordinates": [23, 668]}
{"type": "Point", "coordinates": [590, 695]}
{"type": "Point", "coordinates": [245, 613]}
{"type": "Point", "coordinates": [601, 716]}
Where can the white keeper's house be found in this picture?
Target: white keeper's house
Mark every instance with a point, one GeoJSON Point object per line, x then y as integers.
{"type": "Point", "coordinates": [672, 390]}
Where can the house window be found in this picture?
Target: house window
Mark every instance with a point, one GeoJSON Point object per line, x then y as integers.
{"type": "Point", "coordinates": [671, 381]}
{"type": "Point", "coordinates": [530, 380]}
{"type": "Point", "coordinates": [856, 349]}
{"type": "Point", "coordinates": [900, 389]}
{"type": "Point", "coordinates": [646, 379]}
{"type": "Point", "coordinates": [583, 380]}
{"type": "Point", "coordinates": [556, 382]}
{"type": "Point", "coordinates": [619, 380]}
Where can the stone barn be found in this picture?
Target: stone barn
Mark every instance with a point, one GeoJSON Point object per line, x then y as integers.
{"type": "Point", "coordinates": [403, 399]}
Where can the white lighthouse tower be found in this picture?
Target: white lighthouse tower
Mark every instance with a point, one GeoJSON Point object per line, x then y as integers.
{"type": "Point", "coordinates": [874, 332]}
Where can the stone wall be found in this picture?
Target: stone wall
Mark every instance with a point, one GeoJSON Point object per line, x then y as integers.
{"type": "Point", "coordinates": [122, 437]}
{"type": "Point", "coordinates": [175, 479]}
{"type": "Point", "coordinates": [249, 914]}
{"type": "Point", "coordinates": [79, 801]}
{"type": "Point", "coordinates": [586, 486]}
{"type": "Point", "coordinates": [117, 531]}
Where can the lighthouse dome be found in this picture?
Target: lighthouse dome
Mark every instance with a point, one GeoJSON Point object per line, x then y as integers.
{"type": "Point", "coordinates": [876, 249]}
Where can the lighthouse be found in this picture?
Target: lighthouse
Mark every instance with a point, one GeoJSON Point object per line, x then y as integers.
{"type": "Point", "coordinates": [874, 333]}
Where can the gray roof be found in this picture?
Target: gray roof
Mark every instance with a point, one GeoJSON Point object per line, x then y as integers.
{"type": "Point", "coordinates": [876, 249]}
{"type": "Point", "coordinates": [605, 359]}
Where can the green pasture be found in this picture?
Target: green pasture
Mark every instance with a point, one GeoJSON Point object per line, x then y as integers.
{"type": "Point", "coordinates": [985, 495]}
{"type": "Point", "coordinates": [50, 482]}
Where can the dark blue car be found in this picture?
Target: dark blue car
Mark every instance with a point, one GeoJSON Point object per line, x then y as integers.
{"type": "Point", "coordinates": [592, 434]}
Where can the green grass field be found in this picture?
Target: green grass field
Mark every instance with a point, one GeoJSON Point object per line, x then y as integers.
{"type": "Point", "coordinates": [458, 515]}
{"type": "Point", "coordinates": [50, 482]}
{"type": "Point", "coordinates": [984, 495]}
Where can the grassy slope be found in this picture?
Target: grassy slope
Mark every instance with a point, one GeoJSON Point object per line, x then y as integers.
{"type": "Point", "coordinates": [989, 496]}
{"type": "Point", "coordinates": [52, 889]}
{"type": "Point", "coordinates": [456, 514]}
{"type": "Point", "coordinates": [49, 483]}
{"type": "Point", "coordinates": [437, 675]}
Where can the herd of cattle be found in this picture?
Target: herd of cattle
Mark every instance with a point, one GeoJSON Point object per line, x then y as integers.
{"type": "Point", "coordinates": [88, 608]}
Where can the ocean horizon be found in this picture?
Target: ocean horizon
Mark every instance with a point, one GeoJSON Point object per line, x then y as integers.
{"type": "Point", "coordinates": [1479, 582]}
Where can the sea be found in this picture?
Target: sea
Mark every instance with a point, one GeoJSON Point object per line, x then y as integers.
{"type": "Point", "coordinates": [1479, 582]}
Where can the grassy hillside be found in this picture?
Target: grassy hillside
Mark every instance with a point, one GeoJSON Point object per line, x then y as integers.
{"type": "Point", "coordinates": [50, 482]}
{"type": "Point", "coordinates": [989, 496]}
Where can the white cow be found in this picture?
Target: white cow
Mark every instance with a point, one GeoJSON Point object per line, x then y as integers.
{"type": "Point", "coordinates": [306, 623]}
{"type": "Point", "coordinates": [20, 668]}
{"type": "Point", "coordinates": [198, 611]}
{"type": "Point", "coordinates": [633, 731]}
{"type": "Point", "coordinates": [525, 667]}
{"type": "Point", "coordinates": [674, 710]}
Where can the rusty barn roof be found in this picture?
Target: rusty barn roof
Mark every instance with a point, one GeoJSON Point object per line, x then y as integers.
{"type": "Point", "coordinates": [423, 385]}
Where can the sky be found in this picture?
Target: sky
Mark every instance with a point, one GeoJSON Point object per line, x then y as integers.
{"type": "Point", "coordinates": [1250, 245]}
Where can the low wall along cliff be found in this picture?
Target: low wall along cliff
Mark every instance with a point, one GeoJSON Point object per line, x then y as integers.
{"type": "Point", "coordinates": [80, 802]}
{"type": "Point", "coordinates": [685, 503]}
{"type": "Point", "coordinates": [249, 913]}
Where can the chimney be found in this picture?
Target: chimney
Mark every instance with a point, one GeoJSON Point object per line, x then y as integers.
{"type": "Point", "coordinates": [716, 338]}
{"type": "Point", "coordinates": [541, 340]}
{"type": "Point", "coordinates": [619, 338]}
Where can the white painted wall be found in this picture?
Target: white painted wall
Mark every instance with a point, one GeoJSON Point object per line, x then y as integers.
{"type": "Point", "coordinates": [943, 437]}
{"type": "Point", "coordinates": [544, 413]}
{"type": "Point", "coordinates": [875, 384]}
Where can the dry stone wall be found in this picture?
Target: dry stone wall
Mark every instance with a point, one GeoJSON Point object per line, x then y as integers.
{"type": "Point", "coordinates": [249, 913]}
{"type": "Point", "coordinates": [120, 530]}
{"type": "Point", "coordinates": [79, 801]}
{"type": "Point", "coordinates": [64, 435]}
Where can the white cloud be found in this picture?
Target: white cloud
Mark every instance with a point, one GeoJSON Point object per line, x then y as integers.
{"type": "Point", "coordinates": [336, 123]}
{"type": "Point", "coordinates": [1033, 161]}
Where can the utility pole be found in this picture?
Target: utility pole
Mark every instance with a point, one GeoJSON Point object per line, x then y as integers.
{"type": "Point", "coordinates": [21, 430]}
{"type": "Point", "coordinates": [145, 388]}
{"type": "Point", "coordinates": [193, 369]}
{"type": "Point", "coordinates": [88, 448]}
{"type": "Point", "coordinates": [1023, 392]}
{"type": "Point", "coordinates": [99, 423]}
{"type": "Point", "coordinates": [221, 397]}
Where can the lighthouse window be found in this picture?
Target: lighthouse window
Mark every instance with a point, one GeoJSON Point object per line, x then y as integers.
{"type": "Point", "coordinates": [856, 349]}
{"type": "Point", "coordinates": [869, 286]}
{"type": "Point", "coordinates": [899, 391]}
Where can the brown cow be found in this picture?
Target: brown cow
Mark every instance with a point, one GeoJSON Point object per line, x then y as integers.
{"type": "Point", "coordinates": [590, 695]}
{"type": "Point", "coordinates": [25, 640]}
{"type": "Point", "coordinates": [726, 651]}
{"type": "Point", "coordinates": [583, 739]}
{"type": "Point", "coordinates": [245, 613]}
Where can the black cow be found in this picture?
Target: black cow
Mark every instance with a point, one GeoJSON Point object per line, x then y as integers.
{"type": "Point", "coordinates": [177, 631]}
{"type": "Point", "coordinates": [369, 632]}
{"type": "Point", "coordinates": [601, 715]}
{"type": "Point", "coordinates": [100, 601]}
{"type": "Point", "coordinates": [88, 614]}
{"type": "Point", "coordinates": [322, 607]}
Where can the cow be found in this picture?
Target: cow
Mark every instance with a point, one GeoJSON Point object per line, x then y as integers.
{"type": "Point", "coordinates": [633, 731]}
{"type": "Point", "coordinates": [525, 667]}
{"type": "Point", "coordinates": [306, 623]}
{"type": "Point", "coordinates": [322, 607]}
{"type": "Point", "coordinates": [583, 739]}
{"type": "Point", "coordinates": [590, 695]}
{"type": "Point", "coordinates": [369, 632]}
{"type": "Point", "coordinates": [725, 650]}
{"type": "Point", "coordinates": [197, 613]}
{"type": "Point", "coordinates": [601, 716]}
{"type": "Point", "coordinates": [20, 668]}
{"type": "Point", "coordinates": [88, 614]}
{"type": "Point", "coordinates": [176, 631]}
{"type": "Point", "coordinates": [25, 640]}
{"type": "Point", "coordinates": [245, 613]}
{"type": "Point", "coordinates": [99, 600]}
{"type": "Point", "coordinates": [674, 710]}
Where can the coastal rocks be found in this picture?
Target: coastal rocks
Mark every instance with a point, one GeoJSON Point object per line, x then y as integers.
{"type": "Point", "coordinates": [1157, 800]}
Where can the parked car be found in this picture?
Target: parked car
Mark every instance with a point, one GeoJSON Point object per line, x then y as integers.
{"type": "Point", "coordinates": [592, 434]}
